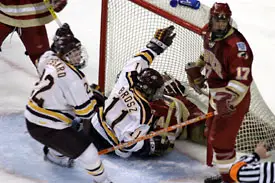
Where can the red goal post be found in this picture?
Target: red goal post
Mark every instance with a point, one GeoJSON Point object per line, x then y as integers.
{"type": "Point", "coordinates": [126, 27]}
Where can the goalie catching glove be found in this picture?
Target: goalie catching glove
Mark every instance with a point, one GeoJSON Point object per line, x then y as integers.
{"type": "Point", "coordinates": [195, 78]}
{"type": "Point", "coordinates": [162, 39]}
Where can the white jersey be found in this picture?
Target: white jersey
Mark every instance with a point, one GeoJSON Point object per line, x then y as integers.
{"type": "Point", "coordinates": [62, 94]}
{"type": "Point", "coordinates": [127, 113]}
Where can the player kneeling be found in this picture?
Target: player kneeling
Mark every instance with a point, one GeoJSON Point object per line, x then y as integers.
{"type": "Point", "coordinates": [62, 94]}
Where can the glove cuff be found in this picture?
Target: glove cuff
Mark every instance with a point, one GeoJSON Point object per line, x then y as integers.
{"type": "Point", "coordinates": [156, 45]}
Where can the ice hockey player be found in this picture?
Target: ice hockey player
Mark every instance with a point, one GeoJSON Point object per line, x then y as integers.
{"type": "Point", "coordinates": [175, 91]}
{"type": "Point", "coordinates": [28, 19]}
{"type": "Point", "coordinates": [227, 59]}
{"type": "Point", "coordinates": [62, 94]}
{"type": "Point", "coordinates": [249, 169]}
{"type": "Point", "coordinates": [127, 114]}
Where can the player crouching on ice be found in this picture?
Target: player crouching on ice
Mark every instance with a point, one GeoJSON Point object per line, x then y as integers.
{"type": "Point", "coordinates": [62, 94]}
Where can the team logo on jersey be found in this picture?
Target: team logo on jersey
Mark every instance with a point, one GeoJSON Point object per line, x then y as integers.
{"type": "Point", "coordinates": [241, 46]}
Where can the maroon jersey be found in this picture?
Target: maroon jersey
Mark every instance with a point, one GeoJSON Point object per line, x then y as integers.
{"type": "Point", "coordinates": [228, 59]}
{"type": "Point", "coordinates": [24, 13]}
{"type": "Point", "coordinates": [160, 108]}
{"type": "Point", "coordinates": [228, 64]}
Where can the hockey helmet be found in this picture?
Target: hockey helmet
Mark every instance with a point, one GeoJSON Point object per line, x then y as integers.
{"type": "Point", "coordinates": [69, 48]}
{"type": "Point", "coordinates": [220, 20]}
{"type": "Point", "coordinates": [150, 83]}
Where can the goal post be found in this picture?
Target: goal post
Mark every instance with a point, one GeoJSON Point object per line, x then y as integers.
{"type": "Point", "coordinates": [128, 25]}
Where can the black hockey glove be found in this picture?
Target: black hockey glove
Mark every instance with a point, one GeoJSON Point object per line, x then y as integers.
{"type": "Point", "coordinates": [162, 39]}
{"type": "Point", "coordinates": [154, 147]}
{"type": "Point", "coordinates": [98, 95]}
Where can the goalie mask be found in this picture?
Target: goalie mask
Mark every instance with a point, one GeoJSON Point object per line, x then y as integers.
{"type": "Point", "coordinates": [150, 83]}
{"type": "Point", "coordinates": [220, 20]}
{"type": "Point", "coordinates": [69, 48]}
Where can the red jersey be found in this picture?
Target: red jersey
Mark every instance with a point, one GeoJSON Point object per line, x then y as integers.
{"type": "Point", "coordinates": [228, 64]}
{"type": "Point", "coordinates": [160, 109]}
{"type": "Point", "coordinates": [24, 13]}
{"type": "Point", "coordinates": [228, 59]}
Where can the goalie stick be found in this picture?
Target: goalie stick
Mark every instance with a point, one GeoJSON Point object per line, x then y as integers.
{"type": "Point", "coordinates": [51, 10]}
{"type": "Point", "coordinates": [153, 134]}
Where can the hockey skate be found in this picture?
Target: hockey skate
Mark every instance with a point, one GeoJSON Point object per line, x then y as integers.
{"type": "Point", "coordinates": [214, 179]}
{"type": "Point", "coordinates": [57, 158]}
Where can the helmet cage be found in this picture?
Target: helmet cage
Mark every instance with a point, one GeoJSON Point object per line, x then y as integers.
{"type": "Point", "coordinates": [77, 57]}
{"type": "Point", "coordinates": [220, 12]}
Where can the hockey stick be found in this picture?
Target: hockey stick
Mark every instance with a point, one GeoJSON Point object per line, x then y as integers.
{"type": "Point", "coordinates": [51, 10]}
{"type": "Point", "coordinates": [153, 134]}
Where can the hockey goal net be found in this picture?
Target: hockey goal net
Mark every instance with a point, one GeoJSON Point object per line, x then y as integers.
{"type": "Point", "coordinates": [127, 25]}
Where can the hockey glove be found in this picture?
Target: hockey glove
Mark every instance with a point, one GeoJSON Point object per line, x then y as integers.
{"type": "Point", "coordinates": [195, 78]}
{"type": "Point", "coordinates": [58, 5]}
{"type": "Point", "coordinates": [162, 39]}
{"type": "Point", "coordinates": [153, 147]}
{"type": "Point", "coordinates": [98, 95]}
{"type": "Point", "coordinates": [77, 124]}
{"type": "Point", "coordinates": [224, 105]}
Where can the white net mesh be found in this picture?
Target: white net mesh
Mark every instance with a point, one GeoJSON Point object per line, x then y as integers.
{"type": "Point", "coordinates": [130, 25]}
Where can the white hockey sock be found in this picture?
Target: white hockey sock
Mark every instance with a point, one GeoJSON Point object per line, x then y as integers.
{"type": "Point", "coordinates": [92, 163]}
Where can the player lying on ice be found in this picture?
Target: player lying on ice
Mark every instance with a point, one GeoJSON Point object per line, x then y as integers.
{"type": "Point", "coordinates": [134, 107]}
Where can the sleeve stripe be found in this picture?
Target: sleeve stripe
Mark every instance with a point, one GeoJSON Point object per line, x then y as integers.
{"type": "Point", "coordinates": [265, 172]}
{"type": "Point", "coordinates": [271, 172]}
{"type": "Point", "coordinates": [85, 109]}
{"type": "Point", "coordinates": [147, 56]}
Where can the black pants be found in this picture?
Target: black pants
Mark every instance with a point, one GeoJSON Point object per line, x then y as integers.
{"type": "Point", "coordinates": [67, 141]}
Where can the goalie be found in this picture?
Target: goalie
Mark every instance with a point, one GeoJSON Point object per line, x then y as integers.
{"type": "Point", "coordinates": [185, 109]}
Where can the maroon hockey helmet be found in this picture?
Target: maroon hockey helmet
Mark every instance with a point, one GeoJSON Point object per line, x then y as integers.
{"type": "Point", "coordinates": [220, 20]}
{"type": "Point", "coordinates": [220, 10]}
